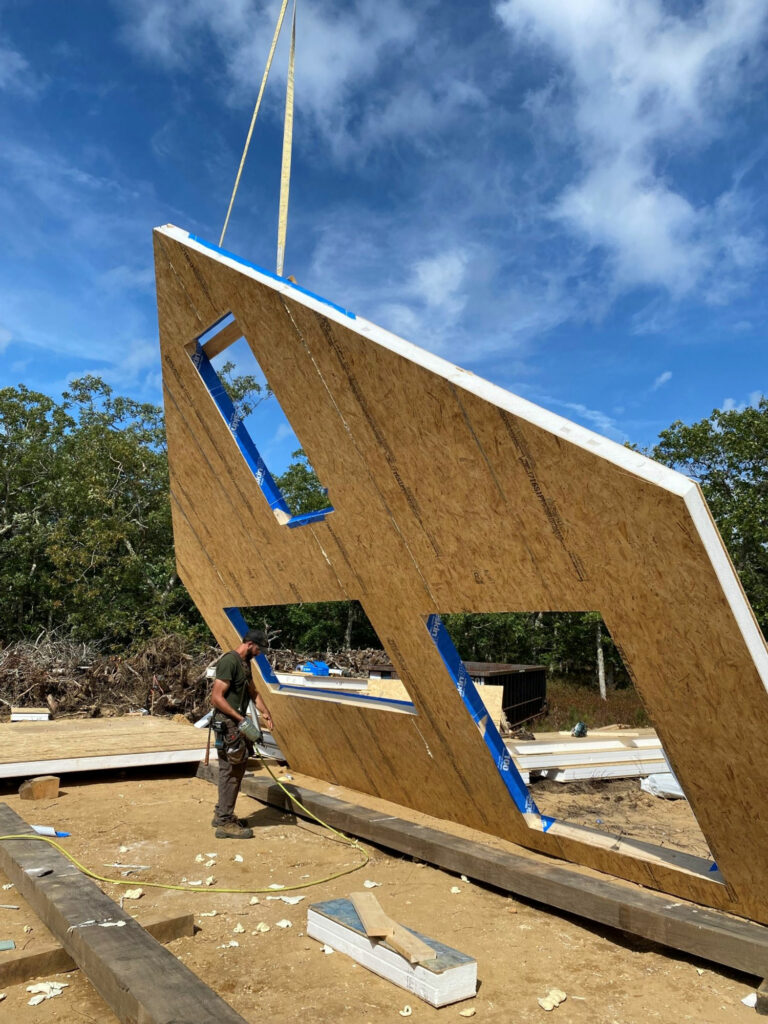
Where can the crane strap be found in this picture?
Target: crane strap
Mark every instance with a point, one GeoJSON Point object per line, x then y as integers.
{"type": "Point", "coordinates": [265, 76]}
{"type": "Point", "coordinates": [285, 172]}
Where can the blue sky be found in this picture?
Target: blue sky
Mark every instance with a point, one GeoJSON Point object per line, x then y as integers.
{"type": "Point", "coordinates": [567, 198]}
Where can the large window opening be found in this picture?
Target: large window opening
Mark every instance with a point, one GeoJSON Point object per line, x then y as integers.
{"type": "Point", "coordinates": [323, 651]}
{"type": "Point", "coordinates": [241, 392]}
{"type": "Point", "coordinates": [568, 732]}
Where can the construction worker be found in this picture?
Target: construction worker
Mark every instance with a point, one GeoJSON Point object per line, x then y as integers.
{"type": "Point", "coordinates": [233, 688]}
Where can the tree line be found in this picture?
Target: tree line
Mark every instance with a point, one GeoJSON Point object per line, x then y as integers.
{"type": "Point", "coordinates": [86, 546]}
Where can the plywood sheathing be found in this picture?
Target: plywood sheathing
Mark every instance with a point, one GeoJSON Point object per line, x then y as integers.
{"type": "Point", "coordinates": [451, 495]}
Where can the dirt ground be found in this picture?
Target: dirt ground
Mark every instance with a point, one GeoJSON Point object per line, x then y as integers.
{"type": "Point", "coordinates": [522, 950]}
{"type": "Point", "coordinates": [620, 807]}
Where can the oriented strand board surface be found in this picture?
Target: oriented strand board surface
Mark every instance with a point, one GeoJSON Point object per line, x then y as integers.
{"type": "Point", "coordinates": [453, 495]}
{"type": "Point", "coordinates": [96, 738]}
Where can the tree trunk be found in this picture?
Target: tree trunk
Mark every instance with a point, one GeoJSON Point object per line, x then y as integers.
{"type": "Point", "coordinates": [351, 619]}
{"type": "Point", "coordinates": [601, 662]}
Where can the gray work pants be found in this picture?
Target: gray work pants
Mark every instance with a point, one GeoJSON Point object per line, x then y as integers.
{"type": "Point", "coordinates": [232, 750]}
{"type": "Point", "coordinates": [230, 778]}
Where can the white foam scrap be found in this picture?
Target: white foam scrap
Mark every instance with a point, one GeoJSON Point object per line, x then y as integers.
{"type": "Point", "coordinates": [255, 900]}
{"type": "Point", "coordinates": [327, 949]}
{"type": "Point", "coordinates": [406, 1011]}
{"type": "Point", "coordinates": [368, 884]}
{"type": "Point", "coordinates": [238, 929]}
{"type": "Point", "coordinates": [276, 886]}
{"type": "Point", "coordinates": [237, 859]}
{"type": "Point", "coordinates": [291, 900]}
{"type": "Point", "coordinates": [123, 849]}
{"type": "Point", "coordinates": [262, 926]}
{"type": "Point", "coordinates": [45, 990]}
{"type": "Point", "coordinates": [199, 858]}
{"type": "Point", "coordinates": [750, 1000]}
{"type": "Point", "coordinates": [455, 889]}
{"type": "Point", "coordinates": [111, 924]}
{"type": "Point", "coordinates": [285, 923]}
{"type": "Point", "coordinates": [470, 1012]}
{"type": "Point", "coordinates": [134, 894]}
{"type": "Point", "coordinates": [197, 881]}
{"type": "Point", "coordinates": [210, 880]}
{"type": "Point", "coordinates": [210, 863]}
{"type": "Point", "coordinates": [8, 885]}
{"type": "Point", "coordinates": [464, 878]}
{"type": "Point", "coordinates": [27, 929]}
{"type": "Point", "coordinates": [232, 944]}
{"type": "Point", "coordinates": [208, 913]}
{"type": "Point", "coordinates": [214, 854]}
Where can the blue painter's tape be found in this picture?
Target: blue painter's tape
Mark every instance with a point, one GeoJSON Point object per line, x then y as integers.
{"type": "Point", "coordinates": [547, 822]}
{"type": "Point", "coordinates": [233, 417]}
{"type": "Point", "coordinates": [463, 683]}
{"type": "Point", "coordinates": [714, 867]}
{"type": "Point", "coordinates": [235, 616]}
{"type": "Point", "coordinates": [309, 517]}
{"type": "Point", "coordinates": [275, 277]}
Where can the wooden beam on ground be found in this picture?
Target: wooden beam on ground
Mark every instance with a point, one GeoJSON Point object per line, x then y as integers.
{"type": "Point", "coordinates": [23, 965]}
{"type": "Point", "coordinates": [137, 977]}
{"type": "Point", "coordinates": [712, 935]}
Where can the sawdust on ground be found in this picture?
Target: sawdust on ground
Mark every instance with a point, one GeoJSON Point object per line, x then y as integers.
{"type": "Point", "coordinates": [522, 950]}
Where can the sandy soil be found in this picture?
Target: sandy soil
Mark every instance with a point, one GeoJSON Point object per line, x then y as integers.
{"type": "Point", "coordinates": [282, 975]}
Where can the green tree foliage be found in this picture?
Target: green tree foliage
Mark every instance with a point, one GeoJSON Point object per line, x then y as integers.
{"type": "Point", "coordinates": [315, 626]}
{"type": "Point", "coordinates": [728, 454]}
{"type": "Point", "coordinates": [85, 530]}
{"type": "Point", "coordinates": [245, 390]}
{"type": "Point", "coordinates": [300, 486]}
{"type": "Point", "coordinates": [566, 642]}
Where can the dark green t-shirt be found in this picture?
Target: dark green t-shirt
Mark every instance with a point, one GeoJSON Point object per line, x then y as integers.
{"type": "Point", "coordinates": [232, 669]}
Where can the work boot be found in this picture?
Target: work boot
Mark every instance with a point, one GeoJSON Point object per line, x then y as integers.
{"type": "Point", "coordinates": [232, 829]}
{"type": "Point", "coordinates": [217, 820]}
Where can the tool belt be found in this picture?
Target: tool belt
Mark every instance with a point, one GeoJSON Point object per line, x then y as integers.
{"type": "Point", "coordinates": [231, 745]}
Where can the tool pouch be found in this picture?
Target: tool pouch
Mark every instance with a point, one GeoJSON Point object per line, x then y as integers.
{"type": "Point", "coordinates": [230, 742]}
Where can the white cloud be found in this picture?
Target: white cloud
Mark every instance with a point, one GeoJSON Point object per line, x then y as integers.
{"type": "Point", "coordinates": [601, 421]}
{"type": "Point", "coordinates": [16, 74]}
{"type": "Point", "coordinates": [645, 82]}
{"type": "Point", "coordinates": [338, 50]}
{"type": "Point", "coordinates": [437, 281]}
{"type": "Point", "coordinates": [5, 338]}
{"type": "Point", "coordinates": [661, 380]}
{"type": "Point", "coordinates": [730, 405]}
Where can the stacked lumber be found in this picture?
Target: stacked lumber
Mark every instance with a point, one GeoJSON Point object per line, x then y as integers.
{"type": "Point", "coordinates": [623, 754]}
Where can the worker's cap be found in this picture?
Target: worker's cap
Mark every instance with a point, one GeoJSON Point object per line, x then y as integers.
{"type": "Point", "coordinates": [255, 636]}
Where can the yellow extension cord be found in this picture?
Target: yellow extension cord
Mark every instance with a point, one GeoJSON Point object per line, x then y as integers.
{"type": "Point", "coordinates": [189, 888]}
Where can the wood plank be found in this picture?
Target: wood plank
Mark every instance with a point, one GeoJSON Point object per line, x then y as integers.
{"type": "Point", "coordinates": [709, 934]}
{"type": "Point", "coordinates": [375, 921]}
{"type": "Point", "coordinates": [51, 958]}
{"type": "Point", "coordinates": [227, 336]}
{"type": "Point", "coordinates": [135, 975]}
{"type": "Point", "coordinates": [409, 945]}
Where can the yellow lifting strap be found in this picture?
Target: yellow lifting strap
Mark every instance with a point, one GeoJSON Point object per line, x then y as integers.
{"type": "Point", "coordinates": [281, 16]}
{"type": "Point", "coordinates": [285, 172]}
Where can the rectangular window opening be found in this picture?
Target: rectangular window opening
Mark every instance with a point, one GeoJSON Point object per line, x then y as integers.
{"type": "Point", "coordinates": [241, 392]}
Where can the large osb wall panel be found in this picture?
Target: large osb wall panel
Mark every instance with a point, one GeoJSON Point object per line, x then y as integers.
{"type": "Point", "coordinates": [450, 495]}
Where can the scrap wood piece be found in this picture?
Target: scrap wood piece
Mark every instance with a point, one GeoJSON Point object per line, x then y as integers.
{"type": "Point", "coordinates": [51, 958]}
{"type": "Point", "coordinates": [448, 977]}
{"type": "Point", "coordinates": [43, 787]}
{"type": "Point", "coordinates": [137, 977]}
{"type": "Point", "coordinates": [409, 945]}
{"type": "Point", "coordinates": [376, 923]}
